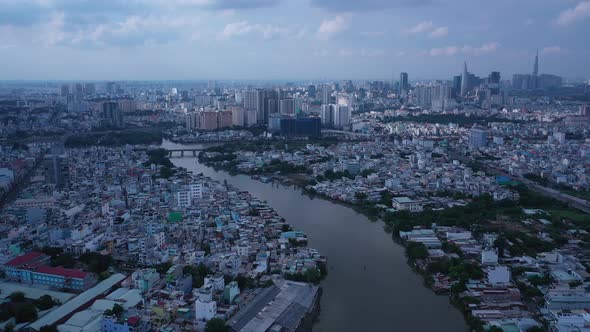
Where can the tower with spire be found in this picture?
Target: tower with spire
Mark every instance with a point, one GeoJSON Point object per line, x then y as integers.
{"type": "Point", "coordinates": [464, 81]}
{"type": "Point", "coordinates": [536, 67]}
{"type": "Point", "coordinates": [535, 78]}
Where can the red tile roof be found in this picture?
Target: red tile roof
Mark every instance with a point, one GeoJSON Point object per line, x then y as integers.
{"type": "Point", "coordinates": [61, 271]}
{"type": "Point", "coordinates": [133, 320]}
{"type": "Point", "coordinates": [24, 259]}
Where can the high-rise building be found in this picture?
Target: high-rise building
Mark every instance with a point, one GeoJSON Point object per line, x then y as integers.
{"type": "Point", "coordinates": [478, 137]}
{"type": "Point", "coordinates": [250, 118]}
{"type": "Point", "coordinates": [404, 85]}
{"type": "Point", "coordinates": [65, 90]}
{"type": "Point", "coordinates": [56, 169]}
{"type": "Point", "coordinates": [536, 65]}
{"type": "Point", "coordinates": [224, 119]}
{"type": "Point", "coordinates": [272, 106]}
{"type": "Point", "coordinates": [327, 115]}
{"type": "Point", "coordinates": [342, 117]}
{"type": "Point", "coordinates": [208, 120]}
{"type": "Point", "coordinates": [250, 99]}
{"type": "Point", "coordinates": [494, 78]}
{"type": "Point", "coordinates": [287, 106]}
{"type": "Point", "coordinates": [288, 125]}
{"type": "Point", "coordinates": [261, 109]}
{"type": "Point", "coordinates": [585, 110]}
{"type": "Point", "coordinates": [456, 85]}
{"type": "Point", "coordinates": [127, 105]}
{"type": "Point", "coordinates": [192, 121]}
{"type": "Point", "coordinates": [465, 81]}
{"type": "Point", "coordinates": [111, 87]}
{"type": "Point", "coordinates": [311, 91]}
{"type": "Point", "coordinates": [547, 81]}
{"type": "Point", "coordinates": [110, 115]}
{"type": "Point", "coordinates": [521, 81]}
{"type": "Point", "coordinates": [326, 94]}
{"type": "Point", "coordinates": [78, 91]}
{"type": "Point", "coordinates": [424, 96]}
{"type": "Point", "coordinates": [89, 89]}
{"type": "Point", "coordinates": [238, 116]}
{"type": "Point", "coordinates": [299, 105]}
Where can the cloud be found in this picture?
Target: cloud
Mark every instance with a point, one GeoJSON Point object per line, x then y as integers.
{"type": "Point", "coordinates": [439, 32]}
{"type": "Point", "coordinates": [88, 12]}
{"type": "Point", "coordinates": [446, 51]}
{"type": "Point", "coordinates": [222, 4]}
{"type": "Point", "coordinates": [266, 31]}
{"type": "Point", "coordinates": [429, 28]}
{"type": "Point", "coordinates": [483, 49]}
{"type": "Point", "coordinates": [571, 15]}
{"type": "Point", "coordinates": [467, 50]}
{"type": "Point", "coordinates": [129, 32]}
{"type": "Point", "coordinates": [330, 27]}
{"type": "Point", "coordinates": [366, 5]}
{"type": "Point", "coordinates": [350, 52]}
{"type": "Point", "coordinates": [420, 27]}
{"type": "Point", "coordinates": [554, 49]}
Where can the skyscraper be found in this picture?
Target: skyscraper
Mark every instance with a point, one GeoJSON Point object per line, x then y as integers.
{"type": "Point", "coordinates": [326, 94]}
{"type": "Point", "coordinates": [327, 115]}
{"type": "Point", "coordinates": [478, 137]}
{"type": "Point", "coordinates": [535, 78]}
{"type": "Point", "coordinates": [56, 168]}
{"type": "Point", "coordinates": [65, 90]}
{"type": "Point", "coordinates": [287, 106]}
{"type": "Point", "coordinates": [110, 115]}
{"type": "Point", "coordinates": [464, 81]}
{"type": "Point", "coordinates": [536, 65]}
{"type": "Point", "coordinates": [456, 85]}
{"type": "Point", "coordinates": [261, 113]}
{"type": "Point", "coordinates": [272, 106]}
{"type": "Point", "coordinates": [403, 83]}
{"type": "Point", "coordinates": [250, 99]}
{"type": "Point", "coordinates": [342, 117]}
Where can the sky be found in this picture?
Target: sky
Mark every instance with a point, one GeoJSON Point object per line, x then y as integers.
{"type": "Point", "coordinates": [290, 39]}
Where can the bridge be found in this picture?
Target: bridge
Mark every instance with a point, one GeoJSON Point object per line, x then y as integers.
{"type": "Point", "coordinates": [180, 152]}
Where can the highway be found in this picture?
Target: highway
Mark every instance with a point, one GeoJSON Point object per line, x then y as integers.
{"type": "Point", "coordinates": [575, 202]}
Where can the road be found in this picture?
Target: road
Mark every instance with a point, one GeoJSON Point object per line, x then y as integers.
{"type": "Point", "coordinates": [572, 201]}
{"type": "Point", "coordinates": [23, 181]}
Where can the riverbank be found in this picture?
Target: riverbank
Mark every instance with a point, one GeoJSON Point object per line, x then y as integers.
{"type": "Point", "coordinates": [369, 286]}
{"type": "Point", "coordinates": [451, 270]}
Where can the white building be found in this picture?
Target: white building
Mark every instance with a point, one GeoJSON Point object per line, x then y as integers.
{"type": "Point", "coordinates": [406, 204]}
{"type": "Point", "coordinates": [205, 310]}
{"type": "Point", "coordinates": [145, 279]}
{"type": "Point", "coordinates": [342, 117]}
{"type": "Point", "coordinates": [183, 198]}
{"type": "Point", "coordinates": [489, 257]}
{"type": "Point", "coordinates": [498, 274]}
{"type": "Point", "coordinates": [196, 190]}
{"type": "Point", "coordinates": [216, 281]}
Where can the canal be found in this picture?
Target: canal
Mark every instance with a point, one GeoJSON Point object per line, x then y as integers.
{"type": "Point", "coordinates": [369, 286]}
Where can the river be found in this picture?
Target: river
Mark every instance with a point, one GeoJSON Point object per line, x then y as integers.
{"type": "Point", "coordinates": [369, 286]}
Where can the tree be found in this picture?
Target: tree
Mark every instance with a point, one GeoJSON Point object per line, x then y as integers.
{"type": "Point", "coordinates": [416, 250]}
{"type": "Point", "coordinates": [118, 310]}
{"type": "Point", "coordinates": [26, 312]}
{"type": "Point", "coordinates": [48, 328]}
{"type": "Point", "coordinates": [17, 297]}
{"type": "Point", "coordinates": [536, 329]}
{"type": "Point", "coordinates": [495, 329]}
{"type": "Point", "coordinates": [215, 325]}
{"type": "Point", "coordinates": [44, 302]}
{"type": "Point", "coordinates": [360, 196]}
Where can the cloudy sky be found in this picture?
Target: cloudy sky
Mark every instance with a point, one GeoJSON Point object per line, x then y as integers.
{"type": "Point", "coordinates": [289, 39]}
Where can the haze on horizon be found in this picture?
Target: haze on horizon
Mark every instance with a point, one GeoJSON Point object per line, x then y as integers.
{"type": "Point", "coordinates": [289, 39]}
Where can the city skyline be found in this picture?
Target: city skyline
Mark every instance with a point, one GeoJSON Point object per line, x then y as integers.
{"type": "Point", "coordinates": [319, 39]}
